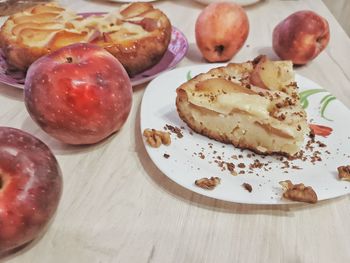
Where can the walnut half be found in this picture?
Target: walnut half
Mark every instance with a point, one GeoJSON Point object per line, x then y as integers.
{"type": "Point", "coordinates": [156, 138]}
{"type": "Point", "coordinates": [344, 172]}
{"type": "Point", "coordinates": [208, 183]}
{"type": "Point", "coordinates": [298, 192]}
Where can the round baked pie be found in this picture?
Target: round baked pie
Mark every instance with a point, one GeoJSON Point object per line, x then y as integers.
{"type": "Point", "coordinates": [137, 34]}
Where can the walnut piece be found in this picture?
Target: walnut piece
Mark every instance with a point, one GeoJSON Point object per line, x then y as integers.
{"type": "Point", "coordinates": [344, 173]}
{"type": "Point", "coordinates": [156, 138]}
{"type": "Point", "coordinates": [208, 183]}
{"type": "Point", "coordinates": [247, 187]}
{"type": "Point", "coordinates": [298, 192]}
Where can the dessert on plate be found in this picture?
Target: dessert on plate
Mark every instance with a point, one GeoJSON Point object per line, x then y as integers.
{"type": "Point", "coordinates": [137, 34]}
{"type": "Point", "coordinates": [253, 105]}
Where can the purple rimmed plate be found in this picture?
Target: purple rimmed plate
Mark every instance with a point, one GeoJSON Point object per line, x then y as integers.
{"type": "Point", "coordinates": [176, 51]}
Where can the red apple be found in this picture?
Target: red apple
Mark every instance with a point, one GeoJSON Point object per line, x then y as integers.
{"type": "Point", "coordinates": [221, 30]}
{"type": "Point", "coordinates": [301, 37]}
{"type": "Point", "coordinates": [30, 187]}
{"type": "Point", "coordinates": [79, 94]}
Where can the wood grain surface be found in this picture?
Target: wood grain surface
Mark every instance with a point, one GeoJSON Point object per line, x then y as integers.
{"type": "Point", "coordinates": [118, 207]}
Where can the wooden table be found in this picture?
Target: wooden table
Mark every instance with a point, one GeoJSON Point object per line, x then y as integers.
{"type": "Point", "coordinates": [118, 207]}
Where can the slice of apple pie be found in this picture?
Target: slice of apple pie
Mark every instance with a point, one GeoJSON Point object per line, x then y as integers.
{"type": "Point", "coordinates": [253, 105]}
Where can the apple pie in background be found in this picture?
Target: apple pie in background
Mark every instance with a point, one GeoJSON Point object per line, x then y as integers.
{"type": "Point", "coordinates": [138, 35]}
{"type": "Point", "coordinates": [253, 105]}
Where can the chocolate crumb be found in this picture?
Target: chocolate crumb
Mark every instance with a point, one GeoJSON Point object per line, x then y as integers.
{"type": "Point", "coordinates": [166, 156]}
{"type": "Point", "coordinates": [230, 167]}
{"type": "Point", "coordinates": [321, 144]}
{"type": "Point", "coordinates": [241, 165]}
{"type": "Point", "coordinates": [312, 134]}
{"type": "Point", "coordinates": [175, 130]}
{"type": "Point", "coordinates": [256, 164]}
{"type": "Point", "coordinates": [248, 187]}
{"type": "Point", "coordinates": [286, 165]}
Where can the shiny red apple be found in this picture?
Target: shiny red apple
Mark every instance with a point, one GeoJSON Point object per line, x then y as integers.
{"type": "Point", "coordinates": [30, 187]}
{"type": "Point", "coordinates": [79, 94]}
{"type": "Point", "coordinates": [301, 37]}
{"type": "Point", "coordinates": [221, 30]}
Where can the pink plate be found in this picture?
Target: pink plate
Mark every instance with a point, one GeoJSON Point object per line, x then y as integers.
{"type": "Point", "coordinates": [176, 51]}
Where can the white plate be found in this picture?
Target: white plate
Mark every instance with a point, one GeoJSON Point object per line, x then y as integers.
{"type": "Point", "coordinates": [185, 164]}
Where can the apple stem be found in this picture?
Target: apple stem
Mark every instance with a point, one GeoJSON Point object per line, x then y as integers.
{"type": "Point", "coordinates": [69, 59]}
{"type": "Point", "coordinates": [219, 49]}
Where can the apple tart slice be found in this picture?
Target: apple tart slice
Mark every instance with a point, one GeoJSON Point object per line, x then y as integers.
{"type": "Point", "coordinates": [253, 105]}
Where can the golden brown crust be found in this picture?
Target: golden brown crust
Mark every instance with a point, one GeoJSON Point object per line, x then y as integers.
{"type": "Point", "coordinates": [144, 53]}
{"type": "Point", "coordinates": [18, 55]}
{"type": "Point", "coordinates": [138, 35]}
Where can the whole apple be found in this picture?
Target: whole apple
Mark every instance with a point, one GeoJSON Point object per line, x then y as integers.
{"type": "Point", "coordinates": [30, 187]}
{"type": "Point", "coordinates": [301, 37]}
{"type": "Point", "coordinates": [79, 94]}
{"type": "Point", "coordinates": [221, 30]}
